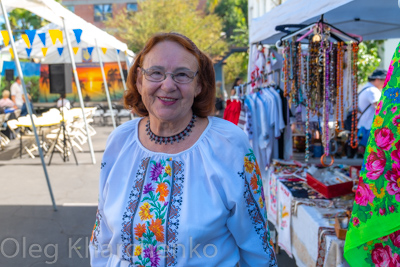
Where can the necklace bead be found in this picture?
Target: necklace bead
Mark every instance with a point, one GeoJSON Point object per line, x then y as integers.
{"type": "Point", "coordinates": [170, 139]}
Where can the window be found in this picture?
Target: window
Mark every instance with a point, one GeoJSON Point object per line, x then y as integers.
{"type": "Point", "coordinates": [102, 12]}
{"type": "Point", "coordinates": [132, 7]}
{"type": "Point", "coordinates": [71, 8]}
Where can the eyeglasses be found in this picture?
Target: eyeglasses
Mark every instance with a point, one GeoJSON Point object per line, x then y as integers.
{"type": "Point", "coordinates": [156, 75]}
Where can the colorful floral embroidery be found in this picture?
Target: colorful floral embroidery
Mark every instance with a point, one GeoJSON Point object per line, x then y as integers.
{"type": "Point", "coordinates": [158, 210]}
{"type": "Point", "coordinates": [254, 198]}
{"type": "Point", "coordinates": [126, 236]}
{"type": "Point", "coordinates": [173, 213]}
{"type": "Point", "coordinates": [96, 230]}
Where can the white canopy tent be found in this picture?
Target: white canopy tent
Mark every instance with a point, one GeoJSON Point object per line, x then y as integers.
{"type": "Point", "coordinates": [373, 20]}
{"type": "Point", "coordinates": [53, 56]}
{"type": "Point", "coordinates": [55, 13]}
{"type": "Point", "coordinates": [62, 17]}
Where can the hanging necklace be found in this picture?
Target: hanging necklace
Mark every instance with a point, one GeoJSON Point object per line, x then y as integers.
{"type": "Point", "coordinates": [353, 137]}
{"type": "Point", "coordinates": [341, 84]}
{"type": "Point", "coordinates": [170, 139]}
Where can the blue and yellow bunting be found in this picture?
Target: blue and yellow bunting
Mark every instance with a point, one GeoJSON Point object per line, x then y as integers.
{"type": "Point", "coordinates": [28, 51]}
{"type": "Point", "coordinates": [78, 33]}
{"type": "Point", "coordinates": [31, 35]}
{"type": "Point", "coordinates": [60, 50]}
{"type": "Point", "coordinates": [42, 37]}
{"type": "Point", "coordinates": [90, 50]}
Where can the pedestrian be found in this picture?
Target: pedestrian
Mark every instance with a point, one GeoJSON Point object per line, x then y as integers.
{"type": "Point", "coordinates": [178, 187]}
{"type": "Point", "coordinates": [238, 81]}
{"type": "Point", "coordinates": [17, 92]}
{"type": "Point", "coordinates": [368, 99]}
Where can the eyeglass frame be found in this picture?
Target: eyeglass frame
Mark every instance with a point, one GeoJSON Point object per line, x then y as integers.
{"type": "Point", "coordinates": [165, 76]}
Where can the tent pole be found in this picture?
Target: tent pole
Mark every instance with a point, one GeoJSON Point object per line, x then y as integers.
{"type": "Point", "coordinates": [122, 75]}
{"type": "Point", "coordinates": [27, 101]}
{"type": "Point", "coordinates": [105, 84]}
{"type": "Point", "coordinates": [78, 88]}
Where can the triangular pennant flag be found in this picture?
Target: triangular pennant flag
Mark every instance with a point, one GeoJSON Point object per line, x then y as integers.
{"type": "Point", "coordinates": [60, 50]}
{"type": "Point", "coordinates": [6, 37]}
{"type": "Point", "coordinates": [44, 50]}
{"type": "Point", "coordinates": [104, 50]}
{"type": "Point", "coordinates": [90, 50]}
{"type": "Point", "coordinates": [12, 53]}
{"type": "Point", "coordinates": [26, 39]}
{"type": "Point", "coordinates": [78, 33]}
{"type": "Point", "coordinates": [31, 35]}
{"type": "Point", "coordinates": [118, 51]}
{"type": "Point", "coordinates": [56, 34]}
{"type": "Point", "coordinates": [42, 37]}
{"type": "Point", "coordinates": [28, 51]}
{"type": "Point", "coordinates": [75, 49]}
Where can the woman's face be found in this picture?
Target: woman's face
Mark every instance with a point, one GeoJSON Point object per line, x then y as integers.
{"type": "Point", "coordinates": [167, 100]}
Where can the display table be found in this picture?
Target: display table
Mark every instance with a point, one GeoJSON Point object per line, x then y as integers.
{"type": "Point", "coordinates": [304, 219]}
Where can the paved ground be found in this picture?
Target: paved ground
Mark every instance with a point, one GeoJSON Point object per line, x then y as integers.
{"type": "Point", "coordinates": [31, 232]}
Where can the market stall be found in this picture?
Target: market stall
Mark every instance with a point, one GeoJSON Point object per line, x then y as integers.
{"type": "Point", "coordinates": [318, 79]}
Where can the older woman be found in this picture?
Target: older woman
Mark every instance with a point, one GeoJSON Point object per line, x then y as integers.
{"type": "Point", "coordinates": [178, 188]}
{"type": "Point", "coordinates": [6, 102]}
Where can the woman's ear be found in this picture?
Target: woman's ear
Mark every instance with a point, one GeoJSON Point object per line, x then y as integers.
{"type": "Point", "coordinates": [139, 80]}
{"type": "Point", "coordinates": [197, 90]}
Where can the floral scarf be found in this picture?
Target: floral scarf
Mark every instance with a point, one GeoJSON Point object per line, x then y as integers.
{"type": "Point", "coordinates": [373, 237]}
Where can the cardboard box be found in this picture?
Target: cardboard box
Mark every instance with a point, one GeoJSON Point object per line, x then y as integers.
{"type": "Point", "coordinates": [340, 232]}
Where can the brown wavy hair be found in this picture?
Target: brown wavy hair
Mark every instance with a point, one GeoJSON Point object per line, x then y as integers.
{"type": "Point", "coordinates": [203, 104]}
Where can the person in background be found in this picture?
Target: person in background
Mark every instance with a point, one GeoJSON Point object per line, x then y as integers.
{"type": "Point", "coordinates": [24, 109]}
{"type": "Point", "coordinates": [6, 102]}
{"type": "Point", "coordinates": [17, 92]}
{"type": "Point", "coordinates": [63, 102]}
{"type": "Point", "coordinates": [368, 98]}
{"type": "Point", "coordinates": [238, 81]}
{"type": "Point", "coordinates": [178, 179]}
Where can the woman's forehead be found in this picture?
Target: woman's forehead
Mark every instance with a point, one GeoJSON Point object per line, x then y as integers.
{"type": "Point", "coordinates": [169, 54]}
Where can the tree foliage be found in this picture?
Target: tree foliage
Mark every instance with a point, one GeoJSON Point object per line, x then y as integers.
{"type": "Point", "coordinates": [235, 25]}
{"type": "Point", "coordinates": [368, 59]}
{"type": "Point", "coordinates": [169, 16]}
{"type": "Point", "coordinates": [21, 19]}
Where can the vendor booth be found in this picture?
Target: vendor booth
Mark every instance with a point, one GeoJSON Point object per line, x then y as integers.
{"type": "Point", "coordinates": [298, 109]}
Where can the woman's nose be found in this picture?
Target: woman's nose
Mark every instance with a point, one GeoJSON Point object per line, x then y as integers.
{"type": "Point", "coordinates": [168, 84]}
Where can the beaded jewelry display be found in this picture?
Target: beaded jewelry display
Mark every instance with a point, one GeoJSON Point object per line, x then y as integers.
{"type": "Point", "coordinates": [171, 139]}
{"type": "Point", "coordinates": [353, 137]}
{"type": "Point", "coordinates": [286, 55]}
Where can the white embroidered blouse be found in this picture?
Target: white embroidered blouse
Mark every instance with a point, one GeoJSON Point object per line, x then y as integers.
{"type": "Point", "coordinates": [201, 207]}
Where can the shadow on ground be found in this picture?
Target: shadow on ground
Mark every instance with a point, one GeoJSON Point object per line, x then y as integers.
{"type": "Point", "coordinates": [39, 236]}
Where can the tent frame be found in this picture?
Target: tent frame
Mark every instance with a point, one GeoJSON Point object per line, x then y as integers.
{"type": "Point", "coordinates": [28, 102]}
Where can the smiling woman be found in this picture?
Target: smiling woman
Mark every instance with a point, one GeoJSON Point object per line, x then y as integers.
{"type": "Point", "coordinates": [178, 188]}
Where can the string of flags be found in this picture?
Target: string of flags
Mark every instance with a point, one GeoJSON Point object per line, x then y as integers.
{"type": "Point", "coordinates": [55, 34]}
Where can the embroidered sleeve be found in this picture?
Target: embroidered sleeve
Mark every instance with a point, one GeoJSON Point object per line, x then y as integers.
{"type": "Point", "coordinates": [99, 245]}
{"type": "Point", "coordinates": [249, 223]}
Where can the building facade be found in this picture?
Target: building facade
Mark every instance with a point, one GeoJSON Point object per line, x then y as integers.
{"type": "Point", "coordinates": [258, 8]}
{"type": "Point", "coordinates": [98, 11]}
